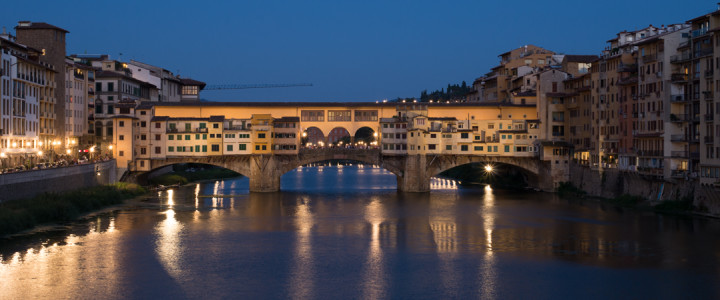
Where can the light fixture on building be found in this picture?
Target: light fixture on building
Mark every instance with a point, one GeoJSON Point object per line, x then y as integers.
{"type": "Point", "coordinates": [14, 145]}
{"type": "Point", "coordinates": [40, 143]}
{"type": "Point", "coordinates": [40, 153]}
{"type": "Point", "coordinates": [110, 147]}
{"type": "Point", "coordinates": [3, 155]}
{"type": "Point", "coordinates": [67, 151]}
{"type": "Point", "coordinates": [92, 149]}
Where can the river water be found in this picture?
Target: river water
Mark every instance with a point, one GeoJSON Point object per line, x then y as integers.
{"type": "Point", "coordinates": [343, 232]}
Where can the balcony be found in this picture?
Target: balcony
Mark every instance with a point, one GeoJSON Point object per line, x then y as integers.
{"type": "Point", "coordinates": [650, 153]}
{"type": "Point", "coordinates": [649, 58]}
{"type": "Point", "coordinates": [678, 138]}
{"type": "Point", "coordinates": [709, 117]}
{"type": "Point", "coordinates": [679, 174]}
{"type": "Point", "coordinates": [679, 154]}
{"type": "Point", "coordinates": [678, 99]}
{"type": "Point", "coordinates": [680, 58]}
{"type": "Point", "coordinates": [627, 67]}
{"type": "Point", "coordinates": [703, 52]}
{"type": "Point", "coordinates": [699, 32]}
{"type": "Point", "coordinates": [679, 78]}
{"type": "Point", "coordinates": [709, 140]}
{"type": "Point", "coordinates": [679, 118]}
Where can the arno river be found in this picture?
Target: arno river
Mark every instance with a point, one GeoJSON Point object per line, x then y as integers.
{"type": "Point", "coordinates": [343, 232]}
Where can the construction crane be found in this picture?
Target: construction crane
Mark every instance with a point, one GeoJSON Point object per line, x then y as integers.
{"type": "Point", "coordinates": [252, 86]}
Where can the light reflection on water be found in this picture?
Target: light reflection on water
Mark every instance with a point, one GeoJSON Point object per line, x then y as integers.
{"type": "Point", "coordinates": [351, 229]}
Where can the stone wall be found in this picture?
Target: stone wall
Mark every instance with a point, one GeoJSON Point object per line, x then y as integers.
{"type": "Point", "coordinates": [30, 183]}
{"type": "Point", "coordinates": [611, 183]}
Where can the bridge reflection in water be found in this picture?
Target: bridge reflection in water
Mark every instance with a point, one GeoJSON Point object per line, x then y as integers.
{"type": "Point", "coordinates": [374, 243]}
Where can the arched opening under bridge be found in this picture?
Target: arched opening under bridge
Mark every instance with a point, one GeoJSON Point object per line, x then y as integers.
{"type": "Point", "coordinates": [496, 174]}
{"type": "Point", "coordinates": [366, 136]}
{"type": "Point", "coordinates": [339, 136]}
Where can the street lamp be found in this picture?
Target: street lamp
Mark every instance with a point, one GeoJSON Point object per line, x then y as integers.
{"type": "Point", "coordinates": [488, 168]}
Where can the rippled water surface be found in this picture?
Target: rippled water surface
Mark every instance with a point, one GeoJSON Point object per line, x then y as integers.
{"type": "Point", "coordinates": [343, 232]}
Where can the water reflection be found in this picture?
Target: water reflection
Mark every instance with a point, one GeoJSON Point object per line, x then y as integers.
{"type": "Point", "coordinates": [356, 231]}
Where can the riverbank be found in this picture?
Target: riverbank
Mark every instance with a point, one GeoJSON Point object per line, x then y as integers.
{"type": "Point", "coordinates": [20, 215]}
{"type": "Point", "coordinates": [683, 206]}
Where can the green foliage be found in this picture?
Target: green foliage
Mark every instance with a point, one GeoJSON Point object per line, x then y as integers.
{"type": "Point", "coordinates": [19, 215]}
{"type": "Point", "coordinates": [567, 189]}
{"type": "Point", "coordinates": [453, 92]}
{"type": "Point", "coordinates": [183, 175]}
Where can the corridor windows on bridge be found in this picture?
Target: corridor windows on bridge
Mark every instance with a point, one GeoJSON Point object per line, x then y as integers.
{"type": "Point", "coordinates": [366, 115]}
{"type": "Point", "coordinates": [312, 115]}
{"type": "Point", "coordinates": [339, 116]}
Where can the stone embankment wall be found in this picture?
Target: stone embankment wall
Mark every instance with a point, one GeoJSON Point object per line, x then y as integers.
{"type": "Point", "coordinates": [611, 183]}
{"type": "Point", "coordinates": [31, 183]}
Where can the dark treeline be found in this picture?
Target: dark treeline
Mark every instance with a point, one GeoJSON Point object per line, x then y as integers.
{"type": "Point", "coordinates": [451, 93]}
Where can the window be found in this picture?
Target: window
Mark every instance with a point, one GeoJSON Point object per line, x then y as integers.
{"type": "Point", "coordinates": [366, 115]}
{"type": "Point", "coordinates": [257, 147]}
{"type": "Point", "coordinates": [464, 135]}
{"type": "Point", "coordinates": [157, 150]}
{"type": "Point", "coordinates": [448, 147]}
{"type": "Point", "coordinates": [431, 147]}
{"type": "Point", "coordinates": [111, 86]}
{"type": "Point", "coordinates": [98, 86]}
{"type": "Point", "coordinates": [157, 137]}
{"type": "Point", "coordinates": [197, 148]}
{"type": "Point", "coordinates": [478, 148]}
{"type": "Point", "coordinates": [171, 149]}
{"type": "Point", "coordinates": [197, 136]}
{"type": "Point", "coordinates": [205, 136]}
{"type": "Point", "coordinates": [204, 148]}
{"type": "Point", "coordinates": [242, 147]}
{"type": "Point", "coordinates": [188, 126]}
{"type": "Point", "coordinates": [264, 147]}
{"type": "Point", "coordinates": [187, 137]}
{"type": "Point", "coordinates": [339, 115]}
{"type": "Point", "coordinates": [179, 137]}
{"type": "Point", "coordinates": [463, 147]}
{"type": "Point", "coordinates": [121, 153]}
{"type": "Point", "coordinates": [121, 137]}
{"type": "Point", "coordinates": [312, 115]}
{"type": "Point", "coordinates": [216, 125]}
{"type": "Point", "coordinates": [216, 148]}
{"type": "Point", "coordinates": [143, 150]}
{"type": "Point", "coordinates": [507, 148]}
{"type": "Point", "coordinates": [261, 135]}
{"type": "Point", "coordinates": [157, 125]}
{"type": "Point", "coordinates": [121, 123]}
{"type": "Point", "coordinates": [229, 147]}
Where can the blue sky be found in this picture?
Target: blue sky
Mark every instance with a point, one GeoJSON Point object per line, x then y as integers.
{"type": "Point", "coordinates": [350, 50]}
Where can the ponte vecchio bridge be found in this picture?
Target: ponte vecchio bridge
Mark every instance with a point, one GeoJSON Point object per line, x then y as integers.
{"type": "Point", "coordinates": [263, 141]}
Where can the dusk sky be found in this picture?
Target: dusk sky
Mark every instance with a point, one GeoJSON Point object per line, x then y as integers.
{"type": "Point", "coordinates": [349, 50]}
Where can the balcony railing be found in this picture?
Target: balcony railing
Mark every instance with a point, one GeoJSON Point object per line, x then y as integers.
{"type": "Point", "coordinates": [678, 138]}
{"type": "Point", "coordinates": [699, 32]}
{"type": "Point", "coordinates": [649, 58]}
{"type": "Point", "coordinates": [679, 118]}
{"type": "Point", "coordinates": [679, 173]}
{"type": "Point", "coordinates": [678, 98]}
{"type": "Point", "coordinates": [679, 154]}
{"type": "Point", "coordinates": [650, 153]}
{"type": "Point", "coordinates": [679, 77]}
{"type": "Point", "coordinates": [680, 58]}
{"type": "Point", "coordinates": [703, 52]}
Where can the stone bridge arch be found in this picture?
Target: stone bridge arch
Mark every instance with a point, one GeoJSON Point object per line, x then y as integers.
{"type": "Point", "coordinates": [442, 163]}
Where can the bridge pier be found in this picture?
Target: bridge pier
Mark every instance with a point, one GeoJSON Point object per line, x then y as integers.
{"type": "Point", "coordinates": [415, 176]}
{"type": "Point", "coordinates": [264, 174]}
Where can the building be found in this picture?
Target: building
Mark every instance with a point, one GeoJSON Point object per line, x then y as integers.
{"type": "Point", "coordinates": [49, 40]}
{"type": "Point", "coordinates": [27, 113]}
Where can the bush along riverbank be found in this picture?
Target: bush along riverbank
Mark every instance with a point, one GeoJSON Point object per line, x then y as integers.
{"type": "Point", "coordinates": [19, 215]}
{"type": "Point", "coordinates": [679, 206]}
{"type": "Point", "coordinates": [191, 174]}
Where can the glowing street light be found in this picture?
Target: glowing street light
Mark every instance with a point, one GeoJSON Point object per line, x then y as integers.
{"type": "Point", "coordinates": [489, 168]}
{"type": "Point", "coordinates": [14, 145]}
{"type": "Point", "coordinates": [110, 147]}
{"type": "Point", "coordinates": [3, 155]}
{"type": "Point", "coordinates": [67, 151]}
{"type": "Point", "coordinates": [40, 153]}
{"type": "Point", "coordinates": [304, 134]}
